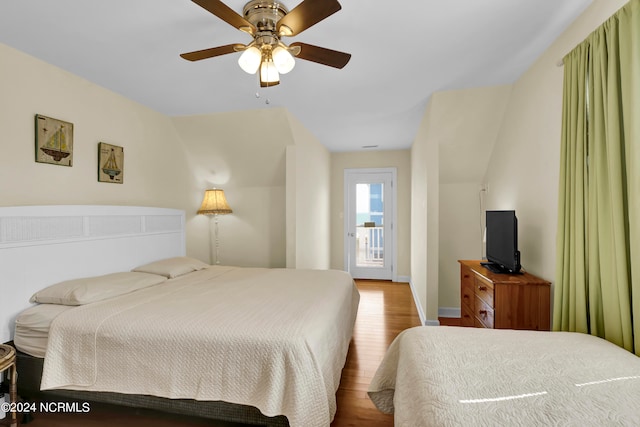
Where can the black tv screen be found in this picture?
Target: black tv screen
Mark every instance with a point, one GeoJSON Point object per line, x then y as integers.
{"type": "Point", "coordinates": [502, 240]}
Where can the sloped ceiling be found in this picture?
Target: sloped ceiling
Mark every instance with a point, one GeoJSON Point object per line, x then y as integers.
{"type": "Point", "coordinates": [226, 153]}
{"type": "Point", "coordinates": [469, 121]}
{"type": "Point", "coordinates": [403, 51]}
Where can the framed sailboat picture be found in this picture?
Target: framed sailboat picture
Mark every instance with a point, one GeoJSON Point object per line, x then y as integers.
{"type": "Point", "coordinates": [54, 141]}
{"type": "Point", "coordinates": [110, 163]}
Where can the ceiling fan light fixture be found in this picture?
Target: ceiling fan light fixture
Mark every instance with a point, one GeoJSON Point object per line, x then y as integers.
{"type": "Point", "coordinates": [283, 60]}
{"type": "Point", "coordinates": [250, 60]}
{"type": "Point", "coordinates": [268, 73]}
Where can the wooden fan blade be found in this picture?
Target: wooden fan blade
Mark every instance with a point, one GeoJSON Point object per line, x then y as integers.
{"type": "Point", "coordinates": [306, 14]}
{"type": "Point", "coordinates": [227, 14]}
{"type": "Point", "coordinates": [211, 52]}
{"type": "Point", "coordinates": [322, 55]}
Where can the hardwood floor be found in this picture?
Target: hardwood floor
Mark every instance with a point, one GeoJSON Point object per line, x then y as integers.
{"type": "Point", "coordinates": [385, 310]}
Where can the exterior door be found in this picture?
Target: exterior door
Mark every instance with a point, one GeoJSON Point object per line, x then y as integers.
{"type": "Point", "coordinates": [369, 223]}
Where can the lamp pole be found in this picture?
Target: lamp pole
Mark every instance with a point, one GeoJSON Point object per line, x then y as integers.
{"type": "Point", "coordinates": [214, 240]}
{"type": "Point", "coordinates": [215, 220]}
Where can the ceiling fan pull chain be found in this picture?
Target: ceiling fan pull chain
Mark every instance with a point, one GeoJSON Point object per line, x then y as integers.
{"type": "Point", "coordinates": [266, 101]}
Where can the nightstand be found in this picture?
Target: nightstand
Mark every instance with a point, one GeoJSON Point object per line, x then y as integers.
{"type": "Point", "coordinates": [8, 364]}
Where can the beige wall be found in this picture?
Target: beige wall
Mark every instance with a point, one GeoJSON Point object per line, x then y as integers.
{"type": "Point", "coordinates": [308, 200]}
{"type": "Point", "coordinates": [244, 153]}
{"type": "Point", "coordinates": [276, 177]}
{"type": "Point", "coordinates": [524, 167]}
{"type": "Point", "coordinates": [424, 216]}
{"type": "Point", "coordinates": [466, 126]}
{"type": "Point", "coordinates": [154, 165]}
{"type": "Point", "coordinates": [449, 158]}
{"type": "Point", "coordinates": [460, 238]}
{"type": "Point", "coordinates": [401, 160]}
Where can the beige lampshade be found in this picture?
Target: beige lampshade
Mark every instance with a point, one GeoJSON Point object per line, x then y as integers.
{"type": "Point", "coordinates": [214, 203]}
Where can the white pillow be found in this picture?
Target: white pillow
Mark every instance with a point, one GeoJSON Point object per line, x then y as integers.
{"type": "Point", "coordinates": [173, 267]}
{"type": "Point", "coordinates": [92, 289]}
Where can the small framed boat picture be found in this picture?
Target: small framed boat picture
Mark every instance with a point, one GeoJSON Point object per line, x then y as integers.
{"type": "Point", "coordinates": [54, 141]}
{"type": "Point", "coordinates": [110, 163]}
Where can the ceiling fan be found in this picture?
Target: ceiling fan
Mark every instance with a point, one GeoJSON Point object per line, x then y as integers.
{"type": "Point", "coordinates": [267, 21]}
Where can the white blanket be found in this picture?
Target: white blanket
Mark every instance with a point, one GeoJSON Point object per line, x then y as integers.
{"type": "Point", "coordinates": [275, 339]}
{"type": "Point", "coordinates": [450, 376]}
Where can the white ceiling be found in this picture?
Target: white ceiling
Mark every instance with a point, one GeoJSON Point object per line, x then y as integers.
{"type": "Point", "coordinates": [402, 52]}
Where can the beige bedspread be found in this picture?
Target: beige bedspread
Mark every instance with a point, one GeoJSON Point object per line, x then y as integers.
{"type": "Point", "coordinates": [450, 376]}
{"type": "Point", "coordinates": [275, 339]}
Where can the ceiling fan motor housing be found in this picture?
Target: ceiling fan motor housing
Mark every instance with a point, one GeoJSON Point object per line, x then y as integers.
{"type": "Point", "coordinates": [264, 14]}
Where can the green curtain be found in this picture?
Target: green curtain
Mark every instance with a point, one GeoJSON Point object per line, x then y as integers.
{"type": "Point", "coordinates": [597, 287]}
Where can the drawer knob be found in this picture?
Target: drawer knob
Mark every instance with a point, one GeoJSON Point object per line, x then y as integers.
{"type": "Point", "coordinates": [483, 313]}
{"type": "Point", "coordinates": [482, 288]}
{"type": "Point", "coordinates": [466, 276]}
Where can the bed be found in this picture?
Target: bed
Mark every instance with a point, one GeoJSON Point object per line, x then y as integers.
{"type": "Point", "coordinates": [449, 376]}
{"type": "Point", "coordinates": [250, 345]}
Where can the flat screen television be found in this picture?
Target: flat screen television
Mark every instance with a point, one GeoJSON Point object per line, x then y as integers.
{"type": "Point", "coordinates": [502, 242]}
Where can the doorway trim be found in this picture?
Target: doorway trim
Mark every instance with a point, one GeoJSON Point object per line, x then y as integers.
{"type": "Point", "coordinates": [394, 209]}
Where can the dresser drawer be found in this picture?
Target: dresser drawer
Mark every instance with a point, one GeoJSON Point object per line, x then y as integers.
{"type": "Point", "coordinates": [467, 293]}
{"type": "Point", "coordinates": [484, 290]}
{"type": "Point", "coordinates": [467, 316]}
{"type": "Point", "coordinates": [484, 313]}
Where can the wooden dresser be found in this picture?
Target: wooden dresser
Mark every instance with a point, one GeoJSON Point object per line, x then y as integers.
{"type": "Point", "coordinates": [503, 301]}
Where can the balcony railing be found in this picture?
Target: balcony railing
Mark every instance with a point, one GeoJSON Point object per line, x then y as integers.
{"type": "Point", "coordinates": [370, 246]}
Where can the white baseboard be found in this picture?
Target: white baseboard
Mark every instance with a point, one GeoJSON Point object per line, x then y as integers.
{"type": "Point", "coordinates": [403, 279]}
{"type": "Point", "coordinates": [417, 303]}
{"type": "Point", "coordinates": [449, 312]}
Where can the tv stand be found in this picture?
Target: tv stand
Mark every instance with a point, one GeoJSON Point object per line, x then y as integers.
{"type": "Point", "coordinates": [503, 301]}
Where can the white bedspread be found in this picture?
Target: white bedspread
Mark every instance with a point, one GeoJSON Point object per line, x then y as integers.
{"type": "Point", "coordinates": [450, 376]}
{"type": "Point", "coordinates": [275, 339]}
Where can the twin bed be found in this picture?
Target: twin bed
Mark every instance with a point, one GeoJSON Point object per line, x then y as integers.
{"type": "Point", "coordinates": [250, 345]}
{"type": "Point", "coordinates": [455, 376]}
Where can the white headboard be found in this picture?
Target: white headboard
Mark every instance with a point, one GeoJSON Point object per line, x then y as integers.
{"type": "Point", "coordinates": [42, 245]}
